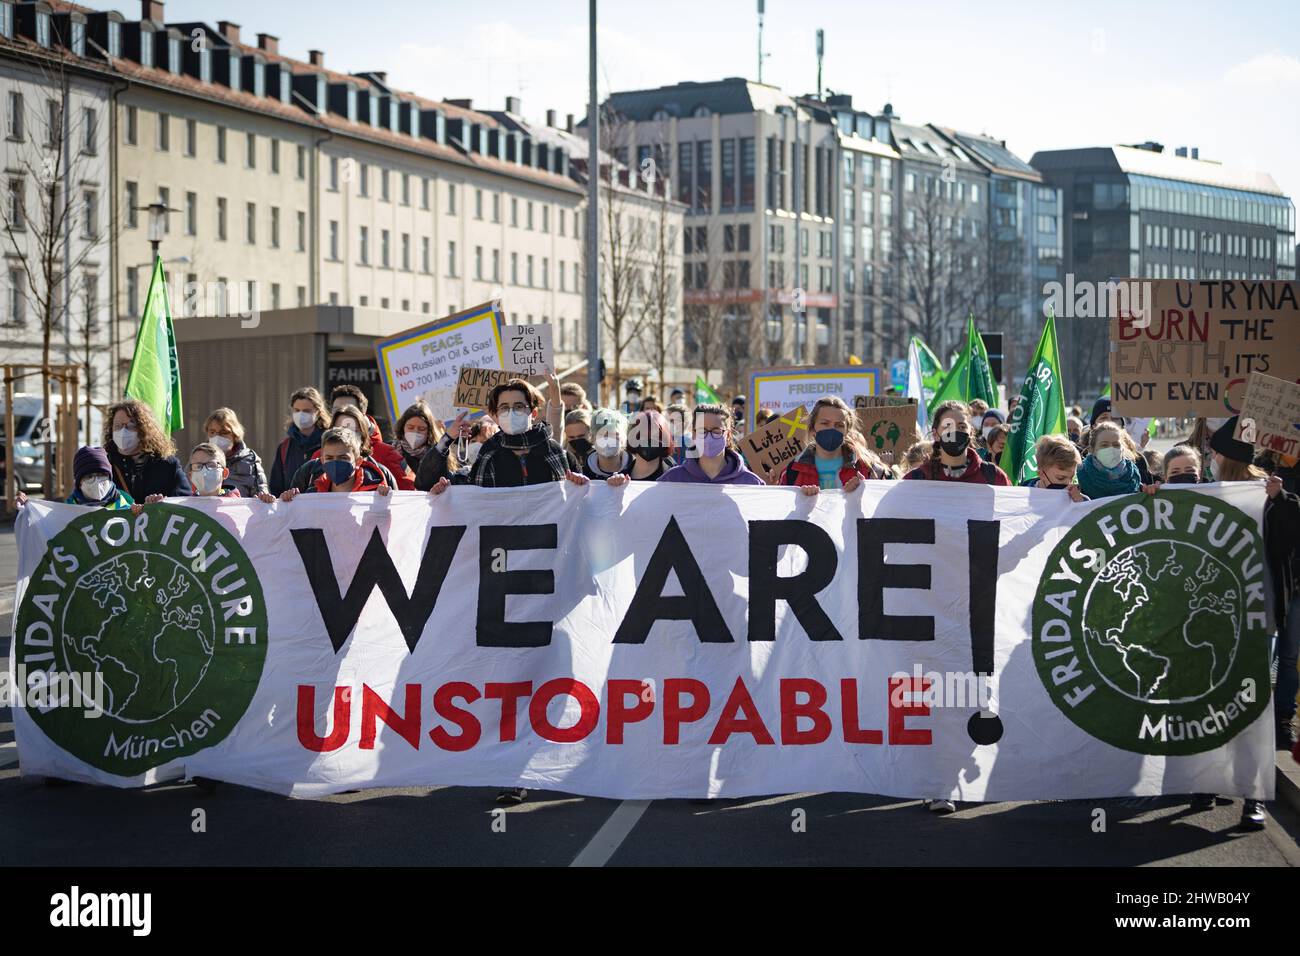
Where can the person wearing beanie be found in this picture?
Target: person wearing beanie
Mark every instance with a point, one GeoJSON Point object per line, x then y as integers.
{"type": "Point", "coordinates": [1234, 461]}
{"type": "Point", "coordinates": [93, 485]}
{"type": "Point", "coordinates": [1100, 411]}
{"type": "Point", "coordinates": [991, 419]}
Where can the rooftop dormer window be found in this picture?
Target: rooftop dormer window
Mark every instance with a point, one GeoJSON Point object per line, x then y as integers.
{"type": "Point", "coordinates": [173, 54]}
{"type": "Point", "coordinates": [114, 38]}
{"type": "Point", "coordinates": [78, 38]}
{"type": "Point", "coordinates": [259, 80]}
{"type": "Point", "coordinates": [320, 94]}
{"type": "Point", "coordinates": [352, 105]}
{"type": "Point", "coordinates": [286, 84]}
{"type": "Point", "coordinates": [6, 21]}
{"type": "Point", "coordinates": [701, 110]}
{"type": "Point", "coordinates": [146, 47]}
{"type": "Point", "coordinates": [205, 63]}
{"type": "Point", "coordinates": [235, 83]}
{"type": "Point", "coordinates": [374, 111]}
{"type": "Point", "coordinates": [42, 28]}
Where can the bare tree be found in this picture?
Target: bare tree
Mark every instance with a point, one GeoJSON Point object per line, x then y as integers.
{"type": "Point", "coordinates": [52, 239]}
{"type": "Point", "coordinates": [708, 303]}
{"type": "Point", "coordinates": [659, 338]}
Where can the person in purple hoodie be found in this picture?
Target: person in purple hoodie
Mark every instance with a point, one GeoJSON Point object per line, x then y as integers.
{"type": "Point", "coordinates": [711, 459]}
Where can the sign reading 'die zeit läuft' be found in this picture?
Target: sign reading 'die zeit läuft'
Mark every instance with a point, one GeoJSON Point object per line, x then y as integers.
{"type": "Point", "coordinates": [424, 362]}
{"type": "Point", "coordinates": [1270, 417]}
{"type": "Point", "coordinates": [1191, 349]}
{"type": "Point", "coordinates": [785, 389]}
{"type": "Point", "coordinates": [769, 448]}
{"type": "Point", "coordinates": [527, 349]}
{"type": "Point", "coordinates": [664, 640]}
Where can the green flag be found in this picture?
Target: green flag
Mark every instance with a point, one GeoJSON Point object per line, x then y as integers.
{"type": "Point", "coordinates": [1041, 410]}
{"type": "Point", "coordinates": [704, 393]}
{"type": "Point", "coordinates": [931, 368]}
{"type": "Point", "coordinates": [155, 376]}
{"type": "Point", "coordinates": [970, 377]}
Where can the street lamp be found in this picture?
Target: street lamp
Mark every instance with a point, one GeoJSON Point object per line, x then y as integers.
{"type": "Point", "coordinates": [157, 223]}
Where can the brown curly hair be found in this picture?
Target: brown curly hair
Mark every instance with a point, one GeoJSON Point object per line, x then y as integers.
{"type": "Point", "coordinates": [153, 440]}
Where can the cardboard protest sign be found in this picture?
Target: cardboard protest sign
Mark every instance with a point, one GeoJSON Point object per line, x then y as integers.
{"type": "Point", "coordinates": [785, 389]}
{"type": "Point", "coordinates": [424, 362]}
{"type": "Point", "coordinates": [769, 448]}
{"type": "Point", "coordinates": [527, 349]}
{"type": "Point", "coordinates": [474, 385]}
{"type": "Point", "coordinates": [888, 424]}
{"type": "Point", "coordinates": [1270, 416]}
{"type": "Point", "coordinates": [1188, 350]}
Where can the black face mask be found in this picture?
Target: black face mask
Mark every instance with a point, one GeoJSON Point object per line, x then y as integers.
{"type": "Point", "coordinates": [581, 447]}
{"type": "Point", "coordinates": [956, 445]}
{"type": "Point", "coordinates": [1185, 479]}
{"type": "Point", "coordinates": [650, 453]}
{"type": "Point", "coordinates": [1057, 487]}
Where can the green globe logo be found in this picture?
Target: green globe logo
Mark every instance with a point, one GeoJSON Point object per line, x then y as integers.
{"type": "Point", "coordinates": [165, 612]}
{"type": "Point", "coordinates": [1150, 625]}
{"type": "Point", "coordinates": [885, 432]}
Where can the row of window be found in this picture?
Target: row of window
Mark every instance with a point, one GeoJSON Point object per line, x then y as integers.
{"type": "Point", "coordinates": [84, 133]}
{"type": "Point", "coordinates": [952, 190]}
{"type": "Point", "coordinates": [190, 146]}
{"type": "Point", "coordinates": [83, 311]}
{"type": "Point", "coordinates": [1185, 240]}
{"type": "Point", "coordinates": [1165, 270]}
{"type": "Point", "coordinates": [85, 216]}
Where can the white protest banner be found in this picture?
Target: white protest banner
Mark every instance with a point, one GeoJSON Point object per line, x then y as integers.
{"type": "Point", "coordinates": [425, 361]}
{"type": "Point", "coordinates": [785, 389]}
{"type": "Point", "coordinates": [912, 639]}
{"type": "Point", "coordinates": [1270, 415]}
{"type": "Point", "coordinates": [528, 349]}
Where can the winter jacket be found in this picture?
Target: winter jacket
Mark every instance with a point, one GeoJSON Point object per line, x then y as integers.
{"type": "Point", "coordinates": [311, 470]}
{"type": "Point", "coordinates": [591, 467]}
{"type": "Point", "coordinates": [150, 475]}
{"type": "Point", "coordinates": [978, 472]}
{"type": "Point", "coordinates": [734, 472]}
{"type": "Point", "coordinates": [294, 449]}
{"type": "Point", "coordinates": [117, 500]}
{"type": "Point", "coordinates": [388, 456]}
{"type": "Point", "coordinates": [803, 470]}
{"type": "Point", "coordinates": [1282, 551]}
{"type": "Point", "coordinates": [246, 474]}
{"type": "Point", "coordinates": [370, 478]}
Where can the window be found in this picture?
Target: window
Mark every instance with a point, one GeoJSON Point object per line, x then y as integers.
{"type": "Point", "coordinates": [514, 268]}
{"type": "Point", "coordinates": [164, 132]}
{"type": "Point", "coordinates": [406, 255]}
{"type": "Point", "coordinates": [130, 130]}
{"type": "Point", "coordinates": [530, 271]}
{"type": "Point", "coordinates": [221, 217]}
{"type": "Point", "coordinates": [384, 258]}
{"type": "Point", "coordinates": [14, 118]}
{"type": "Point", "coordinates": [275, 156]}
{"type": "Point", "coordinates": [363, 180]}
{"type": "Point", "coordinates": [406, 194]}
{"type": "Point", "coordinates": [133, 291]}
{"type": "Point", "coordinates": [250, 222]}
{"type": "Point", "coordinates": [302, 162]}
{"type": "Point", "coordinates": [383, 186]}
{"type": "Point", "coordinates": [575, 282]}
{"type": "Point", "coordinates": [424, 197]}
{"type": "Point", "coordinates": [364, 246]}
{"type": "Point", "coordinates": [424, 254]}
{"type": "Point", "coordinates": [478, 262]}
{"type": "Point", "coordinates": [191, 138]}
{"type": "Point", "coordinates": [191, 214]}
{"type": "Point", "coordinates": [514, 211]}
{"type": "Point", "coordinates": [496, 265]}
{"type": "Point", "coordinates": [530, 218]}
{"type": "Point", "coordinates": [89, 131]}
{"type": "Point", "coordinates": [451, 199]}
{"type": "Point", "coordinates": [165, 198]}
{"type": "Point", "coordinates": [132, 204]}
{"type": "Point", "coordinates": [275, 227]}
{"type": "Point", "coordinates": [90, 299]}
{"type": "Point", "coordinates": [546, 219]}
{"type": "Point", "coordinates": [546, 272]}
{"type": "Point", "coordinates": [334, 174]}
{"type": "Point", "coordinates": [478, 204]}
{"type": "Point", "coordinates": [221, 144]}
{"type": "Point", "coordinates": [334, 240]}
{"type": "Point", "coordinates": [451, 259]}
{"type": "Point", "coordinates": [496, 210]}
{"type": "Point", "coordinates": [302, 296]}
{"type": "Point", "coordinates": [974, 192]}
{"type": "Point", "coordinates": [90, 217]}
{"type": "Point", "coordinates": [302, 231]}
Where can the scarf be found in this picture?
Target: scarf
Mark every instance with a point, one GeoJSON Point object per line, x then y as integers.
{"type": "Point", "coordinates": [1098, 481]}
{"type": "Point", "coordinates": [538, 436]}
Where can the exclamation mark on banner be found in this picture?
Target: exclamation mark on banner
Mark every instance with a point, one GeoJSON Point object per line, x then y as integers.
{"type": "Point", "coordinates": [984, 728]}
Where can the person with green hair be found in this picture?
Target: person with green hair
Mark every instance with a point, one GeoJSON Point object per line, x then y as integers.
{"type": "Point", "coordinates": [608, 455]}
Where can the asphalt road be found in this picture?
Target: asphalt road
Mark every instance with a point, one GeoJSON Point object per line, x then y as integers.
{"type": "Point", "coordinates": [77, 825]}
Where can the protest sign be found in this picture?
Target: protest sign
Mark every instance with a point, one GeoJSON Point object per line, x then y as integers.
{"type": "Point", "coordinates": [785, 389]}
{"type": "Point", "coordinates": [769, 448]}
{"type": "Point", "coordinates": [1270, 416]}
{"type": "Point", "coordinates": [665, 640]}
{"type": "Point", "coordinates": [474, 385]}
{"type": "Point", "coordinates": [528, 349]}
{"type": "Point", "coordinates": [888, 424]}
{"type": "Point", "coordinates": [1189, 351]}
{"type": "Point", "coordinates": [424, 362]}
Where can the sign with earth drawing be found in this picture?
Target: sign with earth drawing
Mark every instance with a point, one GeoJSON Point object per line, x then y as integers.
{"type": "Point", "coordinates": [1150, 629]}
{"type": "Point", "coordinates": [164, 614]}
{"type": "Point", "coordinates": [888, 424]}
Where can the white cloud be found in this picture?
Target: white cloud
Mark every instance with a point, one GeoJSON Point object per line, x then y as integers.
{"type": "Point", "coordinates": [1265, 71]}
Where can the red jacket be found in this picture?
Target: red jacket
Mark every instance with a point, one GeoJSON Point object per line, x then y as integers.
{"type": "Point", "coordinates": [368, 479]}
{"type": "Point", "coordinates": [803, 470]}
{"type": "Point", "coordinates": [390, 458]}
{"type": "Point", "coordinates": [978, 472]}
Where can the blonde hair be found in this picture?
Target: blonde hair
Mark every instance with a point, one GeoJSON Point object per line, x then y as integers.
{"type": "Point", "coordinates": [226, 418]}
{"type": "Point", "coordinates": [1057, 451]}
{"type": "Point", "coordinates": [1233, 470]}
{"type": "Point", "coordinates": [917, 455]}
{"type": "Point", "coordinates": [153, 440]}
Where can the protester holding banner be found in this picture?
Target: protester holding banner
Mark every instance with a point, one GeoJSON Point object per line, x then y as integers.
{"type": "Point", "coordinates": [715, 461]}
{"type": "Point", "coordinates": [577, 433]}
{"type": "Point", "coordinates": [243, 466]}
{"type": "Point", "coordinates": [343, 466]}
{"type": "Point", "coordinates": [349, 418]}
{"type": "Point", "coordinates": [836, 456]}
{"type": "Point", "coordinates": [1110, 469]}
{"type": "Point", "coordinates": [208, 471]}
{"type": "Point", "coordinates": [650, 443]}
{"type": "Point", "coordinates": [377, 450]}
{"type": "Point", "coordinates": [1182, 466]}
{"type": "Point", "coordinates": [676, 414]}
{"type": "Point", "coordinates": [995, 442]}
{"type": "Point", "coordinates": [915, 456]}
{"type": "Point", "coordinates": [993, 417]}
{"type": "Point", "coordinates": [609, 456]}
{"type": "Point", "coordinates": [143, 458]}
{"type": "Point", "coordinates": [308, 419]}
{"type": "Point", "coordinates": [952, 458]}
{"type": "Point", "coordinates": [452, 455]}
{"type": "Point", "coordinates": [1057, 461]}
{"type": "Point", "coordinates": [417, 431]}
{"type": "Point", "coordinates": [93, 485]}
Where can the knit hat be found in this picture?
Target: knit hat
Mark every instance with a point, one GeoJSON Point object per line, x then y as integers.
{"type": "Point", "coordinates": [90, 460]}
{"type": "Point", "coordinates": [996, 413]}
{"type": "Point", "coordinates": [1100, 407]}
{"type": "Point", "coordinates": [1229, 447]}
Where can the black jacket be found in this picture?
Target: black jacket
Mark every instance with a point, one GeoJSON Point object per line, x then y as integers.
{"type": "Point", "coordinates": [1282, 550]}
{"type": "Point", "coordinates": [150, 475]}
{"type": "Point", "coordinates": [293, 450]}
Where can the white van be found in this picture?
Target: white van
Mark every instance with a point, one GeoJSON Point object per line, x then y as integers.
{"type": "Point", "coordinates": [32, 431]}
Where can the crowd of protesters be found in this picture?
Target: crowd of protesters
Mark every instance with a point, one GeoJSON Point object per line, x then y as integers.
{"type": "Point", "coordinates": [526, 438]}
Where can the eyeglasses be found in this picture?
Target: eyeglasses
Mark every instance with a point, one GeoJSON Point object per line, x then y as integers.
{"type": "Point", "coordinates": [205, 466]}
{"type": "Point", "coordinates": [713, 432]}
{"type": "Point", "coordinates": [517, 407]}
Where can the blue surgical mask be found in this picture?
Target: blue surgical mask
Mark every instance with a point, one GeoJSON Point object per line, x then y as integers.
{"type": "Point", "coordinates": [339, 471]}
{"type": "Point", "coordinates": [830, 439]}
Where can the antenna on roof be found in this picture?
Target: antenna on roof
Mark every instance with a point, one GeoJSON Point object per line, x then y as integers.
{"type": "Point", "coordinates": [821, 49]}
{"type": "Point", "coordinates": [761, 55]}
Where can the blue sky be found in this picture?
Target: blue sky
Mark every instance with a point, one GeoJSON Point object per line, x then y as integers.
{"type": "Point", "coordinates": [1046, 75]}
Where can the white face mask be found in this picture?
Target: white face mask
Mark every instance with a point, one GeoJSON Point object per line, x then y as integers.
{"type": "Point", "coordinates": [472, 452]}
{"type": "Point", "coordinates": [126, 440]}
{"type": "Point", "coordinates": [206, 481]}
{"type": "Point", "coordinates": [95, 489]}
{"type": "Point", "coordinates": [222, 442]}
{"type": "Point", "coordinates": [1109, 457]}
{"type": "Point", "coordinates": [515, 423]}
{"type": "Point", "coordinates": [607, 446]}
{"type": "Point", "coordinates": [304, 420]}
{"type": "Point", "coordinates": [414, 439]}
{"type": "Point", "coordinates": [988, 431]}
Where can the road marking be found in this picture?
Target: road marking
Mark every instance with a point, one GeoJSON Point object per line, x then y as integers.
{"type": "Point", "coordinates": [8, 753]}
{"type": "Point", "coordinates": [611, 834]}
